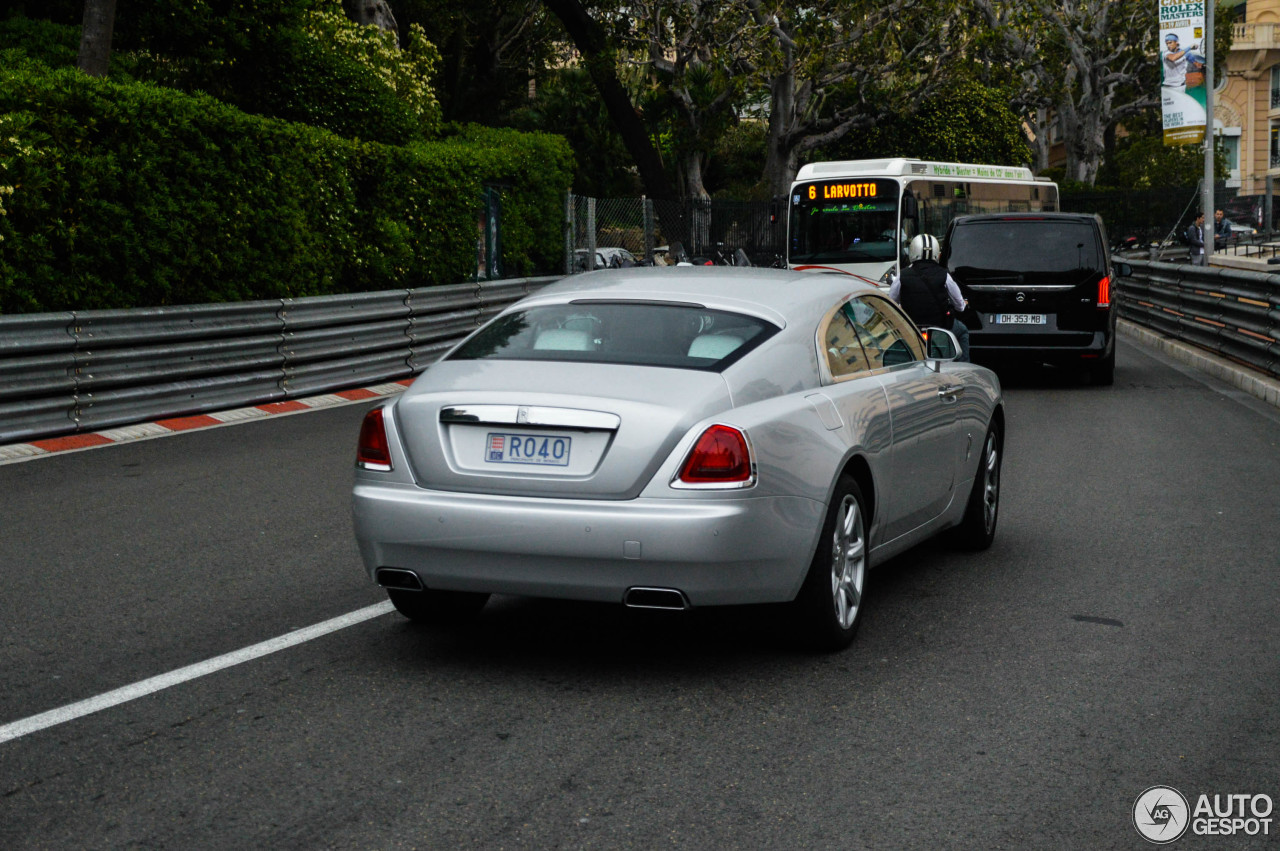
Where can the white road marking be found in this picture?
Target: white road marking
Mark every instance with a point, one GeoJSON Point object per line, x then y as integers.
{"type": "Point", "coordinates": [134, 432]}
{"type": "Point", "coordinates": [149, 686]}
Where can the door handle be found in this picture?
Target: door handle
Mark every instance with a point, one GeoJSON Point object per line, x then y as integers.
{"type": "Point", "coordinates": [950, 391]}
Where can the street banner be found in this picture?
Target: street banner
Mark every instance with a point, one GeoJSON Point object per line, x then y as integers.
{"type": "Point", "coordinates": [1183, 43]}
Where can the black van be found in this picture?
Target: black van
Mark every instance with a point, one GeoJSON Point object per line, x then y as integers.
{"type": "Point", "coordinates": [1039, 287]}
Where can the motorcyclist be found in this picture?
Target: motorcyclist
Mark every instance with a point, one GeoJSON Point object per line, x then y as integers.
{"type": "Point", "coordinates": [928, 293]}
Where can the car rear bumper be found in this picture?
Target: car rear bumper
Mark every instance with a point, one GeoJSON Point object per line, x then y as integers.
{"type": "Point", "coordinates": [1044, 342]}
{"type": "Point", "coordinates": [717, 551]}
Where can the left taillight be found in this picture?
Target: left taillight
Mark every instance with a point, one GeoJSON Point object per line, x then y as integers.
{"type": "Point", "coordinates": [721, 458]}
{"type": "Point", "coordinates": [1104, 293]}
{"type": "Point", "coordinates": [373, 452]}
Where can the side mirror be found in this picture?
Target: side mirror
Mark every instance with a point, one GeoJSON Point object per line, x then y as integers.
{"type": "Point", "coordinates": [940, 344]}
{"type": "Point", "coordinates": [1123, 270]}
{"type": "Point", "coordinates": [910, 208]}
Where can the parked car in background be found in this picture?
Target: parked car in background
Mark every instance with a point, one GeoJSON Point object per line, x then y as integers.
{"type": "Point", "coordinates": [1038, 286]}
{"type": "Point", "coordinates": [676, 438]}
{"type": "Point", "coordinates": [605, 258]}
{"type": "Point", "coordinates": [1249, 211]}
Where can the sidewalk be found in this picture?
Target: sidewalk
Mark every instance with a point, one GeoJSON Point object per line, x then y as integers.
{"type": "Point", "coordinates": [1251, 381]}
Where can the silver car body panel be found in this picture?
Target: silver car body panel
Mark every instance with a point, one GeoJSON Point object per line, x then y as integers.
{"type": "Point", "coordinates": [595, 532]}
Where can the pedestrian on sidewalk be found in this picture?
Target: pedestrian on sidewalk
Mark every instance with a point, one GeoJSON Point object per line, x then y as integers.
{"type": "Point", "coordinates": [1195, 239]}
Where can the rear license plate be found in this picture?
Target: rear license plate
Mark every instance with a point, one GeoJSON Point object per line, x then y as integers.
{"type": "Point", "coordinates": [541, 449]}
{"type": "Point", "coordinates": [1020, 319]}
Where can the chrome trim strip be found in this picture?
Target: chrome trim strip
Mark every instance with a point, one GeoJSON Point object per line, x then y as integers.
{"type": "Point", "coordinates": [665, 592]}
{"type": "Point", "coordinates": [1026, 288]}
{"type": "Point", "coordinates": [529, 415]}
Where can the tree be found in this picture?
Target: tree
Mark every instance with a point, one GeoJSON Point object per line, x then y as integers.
{"type": "Point", "coordinates": [95, 36]}
{"type": "Point", "coordinates": [495, 54]}
{"type": "Point", "coordinates": [833, 66]}
{"type": "Point", "coordinates": [600, 57]}
{"type": "Point", "coordinates": [964, 121]}
{"type": "Point", "coordinates": [375, 13]}
{"type": "Point", "coordinates": [1141, 160]}
{"type": "Point", "coordinates": [696, 56]}
{"type": "Point", "coordinates": [1084, 64]}
{"type": "Point", "coordinates": [568, 104]}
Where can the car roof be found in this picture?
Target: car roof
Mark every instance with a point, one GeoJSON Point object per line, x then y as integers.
{"type": "Point", "coordinates": [779, 295]}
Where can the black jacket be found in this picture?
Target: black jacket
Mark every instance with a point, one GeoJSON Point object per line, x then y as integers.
{"type": "Point", "coordinates": [1195, 238]}
{"type": "Point", "coordinates": [923, 294]}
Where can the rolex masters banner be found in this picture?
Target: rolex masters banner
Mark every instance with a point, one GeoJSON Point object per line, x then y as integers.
{"type": "Point", "coordinates": [1182, 92]}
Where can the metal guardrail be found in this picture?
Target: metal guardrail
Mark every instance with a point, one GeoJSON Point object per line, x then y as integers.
{"type": "Point", "coordinates": [62, 373]}
{"type": "Point", "coordinates": [1232, 312]}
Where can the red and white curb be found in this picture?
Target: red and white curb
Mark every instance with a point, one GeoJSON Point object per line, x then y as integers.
{"type": "Point", "coordinates": [15, 452]}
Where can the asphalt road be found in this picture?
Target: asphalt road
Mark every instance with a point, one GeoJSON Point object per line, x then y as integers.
{"type": "Point", "coordinates": [1121, 633]}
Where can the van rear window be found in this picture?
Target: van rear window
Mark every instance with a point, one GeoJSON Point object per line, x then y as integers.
{"type": "Point", "coordinates": [1024, 245]}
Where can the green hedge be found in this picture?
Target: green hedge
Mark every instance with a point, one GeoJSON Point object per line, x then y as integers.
{"type": "Point", "coordinates": [124, 194]}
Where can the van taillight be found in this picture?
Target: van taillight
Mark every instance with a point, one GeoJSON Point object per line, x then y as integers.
{"type": "Point", "coordinates": [1104, 293]}
{"type": "Point", "coordinates": [720, 458]}
{"type": "Point", "coordinates": [373, 452]}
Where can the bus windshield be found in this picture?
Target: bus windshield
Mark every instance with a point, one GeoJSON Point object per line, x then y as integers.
{"type": "Point", "coordinates": [851, 220]}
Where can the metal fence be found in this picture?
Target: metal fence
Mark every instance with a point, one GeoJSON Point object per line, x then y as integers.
{"type": "Point", "coordinates": [1228, 311]}
{"type": "Point", "coordinates": [63, 373]}
{"type": "Point", "coordinates": [644, 227]}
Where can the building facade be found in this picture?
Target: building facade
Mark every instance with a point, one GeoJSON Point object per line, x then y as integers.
{"type": "Point", "coordinates": [1246, 110]}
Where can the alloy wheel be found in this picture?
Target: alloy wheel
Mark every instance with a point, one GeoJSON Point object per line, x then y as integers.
{"type": "Point", "coordinates": [990, 482]}
{"type": "Point", "coordinates": [848, 562]}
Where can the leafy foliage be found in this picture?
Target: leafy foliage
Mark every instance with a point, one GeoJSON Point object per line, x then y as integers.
{"type": "Point", "coordinates": [405, 70]}
{"type": "Point", "coordinates": [568, 104]}
{"type": "Point", "coordinates": [124, 194]}
{"type": "Point", "coordinates": [300, 60]}
{"type": "Point", "coordinates": [38, 40]}
{"type": "Point", "coordinates": [734, 170]}
{"type": "Point", "coordinates": [491, 50]}
{"type": "Point", "coordinates": [964, 122]}
{"type": "Point", "coordinates": [1145, 162]}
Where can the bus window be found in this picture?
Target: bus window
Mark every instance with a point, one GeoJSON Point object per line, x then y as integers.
{"type": "Point", "coordinates": [852, 220]}
{"type": "Point", "coordinates": [942, 201]}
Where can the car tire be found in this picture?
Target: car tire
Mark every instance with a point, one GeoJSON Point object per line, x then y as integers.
{"type": "Point", "coordinates": [1103, 373]}
{"type": "Point", "coordinates": [828, 608]}
{"type": "Point", "coordinates": [978, 528]}
{"type": "Point", "coordinates": [437, 607]}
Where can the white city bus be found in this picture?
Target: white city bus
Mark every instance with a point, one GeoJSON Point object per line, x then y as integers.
{"type": "Point", "coordinates": [859, 215]}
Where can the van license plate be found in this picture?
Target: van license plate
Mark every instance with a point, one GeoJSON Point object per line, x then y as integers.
{"type": "Point", "coordinates": [540, 449]}
{"type": "Point", "coordinates": [1020, 319]}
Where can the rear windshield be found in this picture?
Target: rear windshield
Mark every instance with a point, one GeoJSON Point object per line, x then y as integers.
{"type": "Point", "coordinates": [1024, 245]}
{"type": "Point", "coordinates": [685, 336]}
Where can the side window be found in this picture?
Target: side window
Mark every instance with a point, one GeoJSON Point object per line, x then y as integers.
{"type": "Point", "coordinates": [843, 344]}
{"type": "Point", "coordinates": [887, 336]}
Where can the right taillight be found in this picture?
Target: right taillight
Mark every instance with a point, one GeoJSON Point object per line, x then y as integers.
{"type": "Point", "coordinates": [721, 458]}
{"type": "Point", "coordinates": [373, 452]}
{"type": "Point", "coordinates": [1104, 293]}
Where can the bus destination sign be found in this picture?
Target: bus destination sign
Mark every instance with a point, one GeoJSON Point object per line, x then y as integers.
{"type": "Point", "coordinates": [832, 191]}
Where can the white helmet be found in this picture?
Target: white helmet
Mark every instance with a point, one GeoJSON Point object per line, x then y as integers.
{"type": "Point", "coordinates": [924, 247]}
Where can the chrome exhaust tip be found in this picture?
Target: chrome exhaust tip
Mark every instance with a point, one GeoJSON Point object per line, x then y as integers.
{"type": "Point", "coordinates": [668, 599]}
{"type": "Point", "coordinates": [394, 577]}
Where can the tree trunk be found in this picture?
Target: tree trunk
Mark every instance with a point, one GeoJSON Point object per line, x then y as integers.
{"type": "Point", "coordinates": [780, 155]}
{"type": "Point", "coordinates": [602, 67]}
{"type": "Point", "coordinates": [372, 13]}
{"type": "Point", "coordinates": [694, 187]}
{"type": "Point", "coordinates": [95, 37]}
